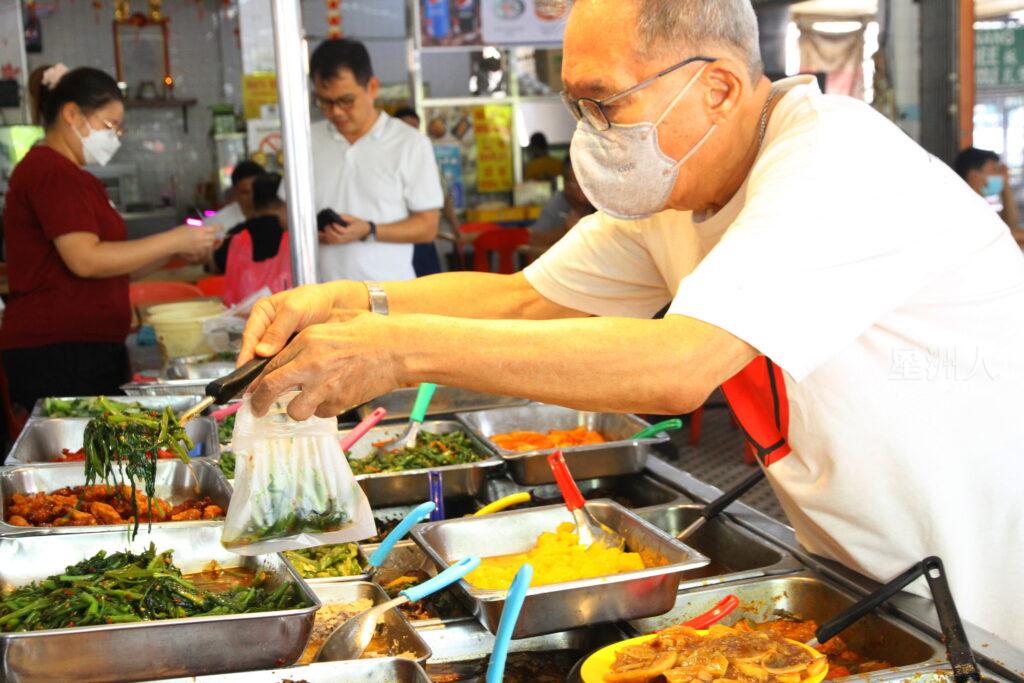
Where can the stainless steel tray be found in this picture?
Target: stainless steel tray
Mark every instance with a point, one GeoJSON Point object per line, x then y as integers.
{"type": "Point", "coordinates": [446, 401]}
{"type": "Point", "coordinates": [206, 370]}
{"type": "Point", "coordinates": [735, 552]}
{"type": "Point", "coordinates": [877, 636]}
{"type": "Point", "coordinates": [400, 635]}
{"type": "Point", "coordinates": [167, 387]}
{"type": "Point", "coordinates": [408, 557]}
{"type": "Point", "coordinates": [175, 483]}
{"type": "Point", "coordinates": [411, 487]}
{"type": "Point", "coordinates": [176, 403]}
{"type": "Point", "coordinates": [362, 670]}
{"type": "Point", "coordinates": [156, 649]}
{"type": "Point", "coordinates": [465, 647]}
{"type": "Point", "coordinates": [621, 455]}
{"type": "Point", "coordinates": [563, 606]}
{"type": "Point", "coordinates": [41, 441]}
{"type": "Point", "coordinates": [633, 491]}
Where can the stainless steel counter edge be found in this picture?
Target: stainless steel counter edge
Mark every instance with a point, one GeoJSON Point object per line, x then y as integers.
{"type": "Point", "coordinates": [992, 652]}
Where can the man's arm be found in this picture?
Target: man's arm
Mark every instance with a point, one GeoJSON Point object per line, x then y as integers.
{"type": "Point", "coordinates": [462, 295]}
{"type": "Point", "coordinates": [419, 227]}
{"type": "Point", "coordinates": [602, 364]}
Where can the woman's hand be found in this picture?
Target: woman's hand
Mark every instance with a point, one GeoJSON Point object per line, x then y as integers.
{"type": "Point", "coordinates": [275, 319]}
{"type": "Point", "coordinates": [195, 243]}
{"type": "Point", "coordinates": [336, 365]}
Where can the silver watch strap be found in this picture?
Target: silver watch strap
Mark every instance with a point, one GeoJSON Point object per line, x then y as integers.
{"type": "Point", "coordinates": [378, 298]}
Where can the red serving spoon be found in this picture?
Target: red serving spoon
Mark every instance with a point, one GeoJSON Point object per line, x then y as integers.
{"type": "Point", "coordinates": [715, 614]}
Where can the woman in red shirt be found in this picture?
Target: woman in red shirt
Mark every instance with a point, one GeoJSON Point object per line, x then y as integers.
{"type": "Point", "coordinates": [68, 256]}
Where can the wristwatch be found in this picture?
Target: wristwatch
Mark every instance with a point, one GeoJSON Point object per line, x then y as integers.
{"type": "Point", "coordinates": [372, 233]}
{"type": "Point", "coordinates": [378, 298]}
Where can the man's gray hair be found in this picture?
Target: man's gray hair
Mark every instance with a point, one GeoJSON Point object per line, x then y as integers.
{"type": "Point", "coordinates": [701, 26]}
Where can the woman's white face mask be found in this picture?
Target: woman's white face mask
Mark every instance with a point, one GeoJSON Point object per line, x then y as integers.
{"type": "Point", "coordinates": [623, 171]}
{"type": "Point", "coordinates": [99, 146]}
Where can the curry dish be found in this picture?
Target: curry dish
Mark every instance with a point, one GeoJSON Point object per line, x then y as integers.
{"type": "Point", "coordinates": [680, 654]}
{"type": "Point", "coordinates": [842, 661]}
{"type": "Point", "coordinates": [555, 438]}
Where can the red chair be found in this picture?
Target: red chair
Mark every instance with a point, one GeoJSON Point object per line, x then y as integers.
{"type": "Point", "coordinates": [212, 286]}
{"type": "Point", "coordinates": [504, 242]}
{"type": "Point", "coordinates": [475, 228]}
{"type": "Point", "coordinates": [161, 292]}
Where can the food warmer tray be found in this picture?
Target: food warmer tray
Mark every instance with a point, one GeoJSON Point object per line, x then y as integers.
{"type": "Point", "coordinates": [633, 491]}
{"type": "Point", "coordinates": [446, 401]}
{"type": "Point", "coordinates": [41, 441]}
{"type": "Point", "coordinates": [176, 403]}
{"type": "Point", "coordinates": [735, 553]}
{"type": "Point", "coordinates": [392, 670]}
{"type": "Point", "coordinates": [564, 606]}
{"type": "Point", "coordinates": [155, 649]}
{"type": "Point", "coordinates": [400, 635]}
{"type": "Point", "coordinates": [361, 554]}
{"type": "Point", "coordinates": [620, 455]}
{"type": "Point", "coordinates": [175, 483]}
{"type": "Point", "coordinates": [877, 636]}
{"type": "Point", "coordinates": [167, 387]}
{"type": "Point", "coordinates": [411, 487]}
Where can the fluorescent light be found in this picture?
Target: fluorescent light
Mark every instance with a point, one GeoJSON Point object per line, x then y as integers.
{"type": "Point", "coordinates": [837, 26]}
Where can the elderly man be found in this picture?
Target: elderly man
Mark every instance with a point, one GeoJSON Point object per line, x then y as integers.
{"type": "Point", "coordinates": [866, 319]}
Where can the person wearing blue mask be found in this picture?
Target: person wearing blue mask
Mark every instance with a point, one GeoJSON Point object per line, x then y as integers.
{"type": "Point", "coordinates": [988, 176]}
{"type": "Point", "coordinates": [861, 307]}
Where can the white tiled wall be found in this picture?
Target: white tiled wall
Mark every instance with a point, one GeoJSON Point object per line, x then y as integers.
{"type": "Point", "coordinates": [205, 62]}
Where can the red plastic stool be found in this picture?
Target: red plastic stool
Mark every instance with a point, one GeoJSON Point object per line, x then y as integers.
{"type": "Point", "coordinates": [504, 242]}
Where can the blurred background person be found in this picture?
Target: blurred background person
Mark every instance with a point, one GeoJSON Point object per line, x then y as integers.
{"type": "Point", "coordinates": [259, 255]}
{"type": "Point", "coordinates": [988, 176]}
{"type": "Point", "coordinates": [69, 259]}
{"type": "Point", "coordinates": [561, 213]}
{"type": "Point", "coordinates": [541, 166]}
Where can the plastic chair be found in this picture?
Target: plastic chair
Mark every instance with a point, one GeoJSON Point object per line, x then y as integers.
{"type": "Point", "coordinates": [504, 242]}
{"type": "Point", "coordinates": [475, 228]}
{"type": "Point", "coordinates": [160, 292]}
{"type": "Point", "coordinates": [212, 286]}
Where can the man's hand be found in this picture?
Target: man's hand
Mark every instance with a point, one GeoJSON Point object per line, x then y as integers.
{"type": "Point", "coordinates": [356, 230]}
{"type": "Point", "coordinates": [273, 320]}
{"type": "Point", "coordinates": [336, 365]}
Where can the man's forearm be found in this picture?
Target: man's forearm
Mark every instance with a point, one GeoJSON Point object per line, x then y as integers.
{"type": "Point", "coordinates": [600, 364]}
{"type": "Point", "coordinates": [460, 295]}
{"type": "Point", "coordinates": [417, 228]}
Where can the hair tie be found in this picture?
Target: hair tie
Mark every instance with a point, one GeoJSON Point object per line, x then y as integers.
{"type": "Point", "coordinates": [52, 76]}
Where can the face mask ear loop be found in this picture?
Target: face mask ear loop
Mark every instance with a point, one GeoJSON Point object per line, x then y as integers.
{"type": "Point", "coordinates": [694, 149]}
{"type": "Point", "coordinates": [681, 95]}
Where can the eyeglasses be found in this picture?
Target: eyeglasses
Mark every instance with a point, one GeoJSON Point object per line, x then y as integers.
{"type": "Point", "coordinates": [593, 111]}
{"type": "Point", "coordinates": [118, 130]}
{"type": "Point", "coordinates": [344, 102]}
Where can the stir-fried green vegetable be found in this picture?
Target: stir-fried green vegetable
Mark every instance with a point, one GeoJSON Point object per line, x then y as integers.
{"type": "Point", "coordinates": [122, 447]}
{"type": "Point", "coordinates": [431, 450]}
{"type": "Point", "coordinates": [227, 464]}
{"type": "Point", "coordinates": [225, 428]}
{"type": "Point", "coordinates": [325, 561]}
{"type": "Point", "coordinates": [87, 407]}
{"type": "Point", "coordinates": [124, 587]}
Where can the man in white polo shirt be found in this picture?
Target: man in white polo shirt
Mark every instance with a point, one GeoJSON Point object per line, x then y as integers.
{"type": "Point", "coordinates": [376, 172]}
{"type": "Point", "coordinates": [862, 307]}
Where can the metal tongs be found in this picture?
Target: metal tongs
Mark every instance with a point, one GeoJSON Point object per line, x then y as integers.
{"type": "Point", "coordinates": [958, 649]}
{"type": "Point", "coordinates": [223, 389]}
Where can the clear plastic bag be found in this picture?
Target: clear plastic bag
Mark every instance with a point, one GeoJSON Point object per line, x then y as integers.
{"type": "Point", "coordinates": [293, 486]}
{"type": "Point", "coordinates": [224, 333]}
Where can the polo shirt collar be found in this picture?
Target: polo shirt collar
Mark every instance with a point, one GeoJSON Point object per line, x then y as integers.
{"type": "Point", "coordinates": [375, 133]}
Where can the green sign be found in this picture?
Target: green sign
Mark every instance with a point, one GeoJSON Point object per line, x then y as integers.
{"type": "Point", "coordinates": [999, 58]}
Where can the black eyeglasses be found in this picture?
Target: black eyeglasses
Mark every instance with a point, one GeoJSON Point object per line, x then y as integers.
{"type": "Point", "coordinates": [591, 110]}
{"type": "Point", "coordinates": [344, 102]}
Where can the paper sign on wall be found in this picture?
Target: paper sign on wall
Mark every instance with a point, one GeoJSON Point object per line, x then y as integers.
{"type": "Point", "coordinates": [258, 89]}
{"type": "Point", "coordinates": [493, 126]}
{"type": "Point", "coordinates": [524, 22]}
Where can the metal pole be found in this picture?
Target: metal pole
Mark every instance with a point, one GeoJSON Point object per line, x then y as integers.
{"type": "Point", "coordinates": [291, 57]}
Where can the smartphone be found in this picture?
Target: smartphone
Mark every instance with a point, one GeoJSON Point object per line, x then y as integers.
{"type": "Point", "coordinates": [327, 217]}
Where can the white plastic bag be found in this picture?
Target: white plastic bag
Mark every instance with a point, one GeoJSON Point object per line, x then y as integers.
{"type": "Point", "coordinates": [293, 486]}
{"type": "Point", "coordinates": [224, 333]}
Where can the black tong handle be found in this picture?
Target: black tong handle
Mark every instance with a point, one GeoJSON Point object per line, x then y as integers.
{"type": "Point", "coordinates": [729, 497]}
{"type": "Point", "coordinates": [225, 388]}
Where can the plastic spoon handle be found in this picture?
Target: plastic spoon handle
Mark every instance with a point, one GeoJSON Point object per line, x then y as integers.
{"type": "Point", "coordinates": [715, 614]}
{"type": "Point", "coordinates": [442, 580]}
{"type": "Point", "coordinates": [958, 648]}
{"type": "Point", "coordinates": [226, 411]}
{"type": "Point", "coordinates": [570, 492]}
{"type": "Point", "coordinates": [399, 532]}
{"type": "Point", "coordinates": [360, 430]}
{"type": "Point", "coordinates": [435, 481]}
{"type": "Point", "coordinates": [509, 616]}
{"type": "Point", "coordinates": [655, 429]}
{"type": "Point", "coordinates": [844, 620]}
{"type": "Point", "coordinates": [423, 398]}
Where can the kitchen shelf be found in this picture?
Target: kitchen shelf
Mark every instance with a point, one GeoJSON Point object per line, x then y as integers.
{"type": "Point", "coordinates": [165, 103]}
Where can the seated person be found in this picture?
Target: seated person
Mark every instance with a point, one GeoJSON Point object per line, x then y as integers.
{"type": "Point", "coordinates": [264, 238]}
{"type": "Point", "coordinates": [563, 211]}
{"type": "Point", "coordinates": [989, 177]}
{"type": "Point", "coordinates": [541, 166]}
{"type": "Point", "coordinates": [238, 209]}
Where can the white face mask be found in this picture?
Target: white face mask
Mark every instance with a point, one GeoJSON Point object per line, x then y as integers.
{"type": "Point", "coordinates": [99, 146]}
{"type": "Point", "coordinates": [623, 171]}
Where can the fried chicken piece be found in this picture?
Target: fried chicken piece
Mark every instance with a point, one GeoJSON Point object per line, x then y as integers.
{"type": "Point", "coordinates": [99, 492]}
{"type": "Point", "coordinates": [104, 513]}
{"type": "Point", "coordinates": [212, 512]}
{"type": "Point", "coordinates": [186, 516]}
{"type": "Point", "coordinates": [15, 520]}
{"type": "Point", "coordinates": [75, 517]}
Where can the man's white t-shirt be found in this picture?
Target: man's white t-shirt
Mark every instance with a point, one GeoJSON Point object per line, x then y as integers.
{"type": "Point", "coordinates": [892, 297]}
{"type": "Point", "coordinates": [385, 176]}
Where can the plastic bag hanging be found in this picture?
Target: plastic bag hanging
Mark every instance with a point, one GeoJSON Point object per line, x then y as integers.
{"type": "Point", "coordinates": [293, 485]}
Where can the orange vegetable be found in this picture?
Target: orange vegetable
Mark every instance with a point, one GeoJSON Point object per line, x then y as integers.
{"type": "Point", "coordinates": [555, 438]}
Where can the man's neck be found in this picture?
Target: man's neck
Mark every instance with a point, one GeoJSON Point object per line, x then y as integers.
{"type": "Point", "coordinates": [371, 122]}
